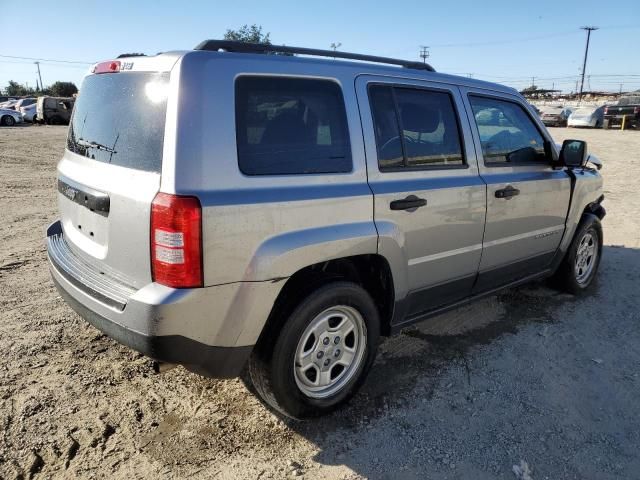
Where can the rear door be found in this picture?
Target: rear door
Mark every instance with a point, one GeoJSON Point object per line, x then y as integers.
{"type": "Point", "coordinates": [110, 171]}
{"type": "Point", "coordinates": [527, 198]}
{"type": "Point", "coordinates": [429, 201]}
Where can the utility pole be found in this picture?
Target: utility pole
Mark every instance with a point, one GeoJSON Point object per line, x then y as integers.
{"type": "Point", "coordinates": [335, 46]}
{"type": "Point", "coordinates": [424, 53]}
{"type": "Point", "coordinates": [586, 52]}
{"type": "Point", "coordinates": [39, 75]}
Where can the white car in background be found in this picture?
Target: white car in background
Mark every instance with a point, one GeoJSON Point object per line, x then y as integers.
{"type": "Point", "coordinates": [9, 104]}
{"type": "Point", "coordinates": [29, 112]}
{"type": "Point", "coordinates": [9, 118]}
{"type": "Point", "coordinates": [587, 117]}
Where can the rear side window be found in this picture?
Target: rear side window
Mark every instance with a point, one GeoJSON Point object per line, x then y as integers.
{"type": "Point", "coordinates": [507, 134]}
{"type": "Point", "coordinates": [415, 128]}
{"type": "Point", "coordinates": [119, 118]}
{"type": "Point", "coordinates": [291, 126]}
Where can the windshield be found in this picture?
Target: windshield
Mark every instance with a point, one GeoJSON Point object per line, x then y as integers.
{"type": "Point", "coordinates": [119, 119]}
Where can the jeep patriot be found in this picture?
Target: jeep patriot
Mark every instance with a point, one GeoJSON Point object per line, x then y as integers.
{"type": "Point", "coordinates": [231, 207]}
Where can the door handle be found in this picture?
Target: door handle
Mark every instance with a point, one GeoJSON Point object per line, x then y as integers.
{"type": "Point", "coordinates": [507, 192]}
{"type": "Point", "coordinates": [410, 203]}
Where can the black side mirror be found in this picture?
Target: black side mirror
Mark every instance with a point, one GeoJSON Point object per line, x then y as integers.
{"type": "Point", "coordinates": [573, 153]}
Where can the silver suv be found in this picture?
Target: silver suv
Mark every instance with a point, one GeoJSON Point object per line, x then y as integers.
{"type": "Point", "coordinates": [244, 205]}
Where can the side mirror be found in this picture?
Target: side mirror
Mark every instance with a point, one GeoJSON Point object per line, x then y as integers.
{"type": "Point", "coordinates": [573, 153]}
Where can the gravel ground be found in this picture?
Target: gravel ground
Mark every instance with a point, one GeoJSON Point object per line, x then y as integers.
{"type": "Point", "coordinates": [527, 384]}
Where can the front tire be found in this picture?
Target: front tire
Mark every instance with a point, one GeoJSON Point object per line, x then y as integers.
{"type": "Point", "coordinates": [322, 353]}
{"type": "Point", "coordinates": [578, 270]}
{"type": "Point", "coordinates": [8, 121]}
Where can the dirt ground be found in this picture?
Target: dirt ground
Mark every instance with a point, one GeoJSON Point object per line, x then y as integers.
{"type": "Point", "coordinates": [528, 384]}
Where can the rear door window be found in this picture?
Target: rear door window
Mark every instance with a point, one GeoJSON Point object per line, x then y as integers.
{"type": "Point", "coordinates": [119, 118]}
{"type": "Point", "coordinates": [291, 126]}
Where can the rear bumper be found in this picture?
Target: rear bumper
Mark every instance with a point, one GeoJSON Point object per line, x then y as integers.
{"type": "Point", "coordinates": [210, 331]}
{"type": "Point", "coordinates": [207, 360]}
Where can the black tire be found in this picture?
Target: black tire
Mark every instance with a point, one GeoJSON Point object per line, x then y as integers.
{"type": "Point", "coordinates": [53, 121]}
{"type": "Point", "coordinates": [8, 121]}
{"type": "Point", "coordinates": [567, 277]}
{"type": "Point", "coordinates": [272, 364]}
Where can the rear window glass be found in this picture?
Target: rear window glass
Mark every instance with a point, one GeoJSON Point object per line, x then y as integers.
{"type": "Point", "coordinates": [119, 118]}
{"type": "Point", "coordinates": [291, 126]}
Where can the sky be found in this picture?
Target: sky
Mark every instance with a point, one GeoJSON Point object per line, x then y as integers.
{"type": "Point", "coordinates": [510, 42]}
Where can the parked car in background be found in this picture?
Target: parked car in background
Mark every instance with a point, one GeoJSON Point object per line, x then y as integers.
{"type": "Point", "coordinates": [357, 198]}
{"type": "Point", "coordinates": [587, 117]}
{"type": "Point", "coordinates": [9, 104]}
{"type": "Point", "coordinates": [54, 110]}
{"type": "Point", "coordinates": [627, 107]}
{"type": "Point", "coordinates": [5, 98]}
{"type": "Point", "coordinates": [29, 112]}
{"type": "Point", "coordinates": [555, 115]}
{"type": "Point", "coordinates": [9, 118]}
{"type": "Point", "coordinates": [23, 102]}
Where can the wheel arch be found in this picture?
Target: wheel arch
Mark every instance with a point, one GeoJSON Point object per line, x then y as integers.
{"type": "Point", "coordinates": [371, 271]}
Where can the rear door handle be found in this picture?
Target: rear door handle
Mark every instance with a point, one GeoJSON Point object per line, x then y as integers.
{"type": "Point", "coordinates": [507, 192]}
{"type": "Point", "coordinates": [410, 203]}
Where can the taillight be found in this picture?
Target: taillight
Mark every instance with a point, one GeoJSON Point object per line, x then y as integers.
{"type": "Point", "coordinates": [176, 241]}
{"type": "Point", "coordinates": [636, 110]}
{"type": "Point", "coordinates": [112, 66]}
{"type": "Point", "coordinates": [606, 110]}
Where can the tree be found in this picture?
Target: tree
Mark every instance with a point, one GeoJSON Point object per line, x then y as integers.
{"type": "Point", "coordinates": [63, 89]}
{"type": "Point", "coordinates": [248, 34]}
{"type": "Point", "coordinates": [15, 89]}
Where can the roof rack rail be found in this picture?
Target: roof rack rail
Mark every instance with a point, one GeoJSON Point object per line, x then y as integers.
{"type": "Point", "coordinates": [243, 47]}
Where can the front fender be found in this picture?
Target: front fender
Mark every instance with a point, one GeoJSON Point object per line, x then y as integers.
{"type": "Point", "coordinates": [587, 190]}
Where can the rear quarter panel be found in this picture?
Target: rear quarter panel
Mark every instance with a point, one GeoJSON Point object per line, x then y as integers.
{"type": "Point", "coordinates": [258, 228]}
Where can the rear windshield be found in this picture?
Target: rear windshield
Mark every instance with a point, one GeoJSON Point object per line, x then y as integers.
{"type": "Point", "coordinates": [629, 101]}
{"type": "Point", "coordinates": [119, 118]}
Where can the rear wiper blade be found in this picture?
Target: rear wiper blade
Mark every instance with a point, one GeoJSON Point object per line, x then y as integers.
{"type": "Point", "coordinates": [98, 146]}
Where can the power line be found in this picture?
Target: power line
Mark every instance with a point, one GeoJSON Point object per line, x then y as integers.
{"type": "Point", "coordinates": [58, 65]}
{"type": "Point", "coordinates": [45, 59]}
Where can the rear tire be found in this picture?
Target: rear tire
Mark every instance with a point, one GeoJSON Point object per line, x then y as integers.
{"type": "Point", "coordinates": [321, 355]}
{"type": "Point", "coordinates": [578, 269]}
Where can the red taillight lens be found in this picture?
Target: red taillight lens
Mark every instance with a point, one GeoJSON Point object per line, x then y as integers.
{"type": "Point", "coordinates": [636, 110]}
{"type": "Point", "coordinates": [176, 241]}
{"type": "Point", "coordinates": [606, 110]}
{"type": "Point", "coordinates": [112, 66]}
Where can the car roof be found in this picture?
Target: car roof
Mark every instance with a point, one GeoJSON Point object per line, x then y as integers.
{"type": "Point", "coordinates": [354, 67]}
